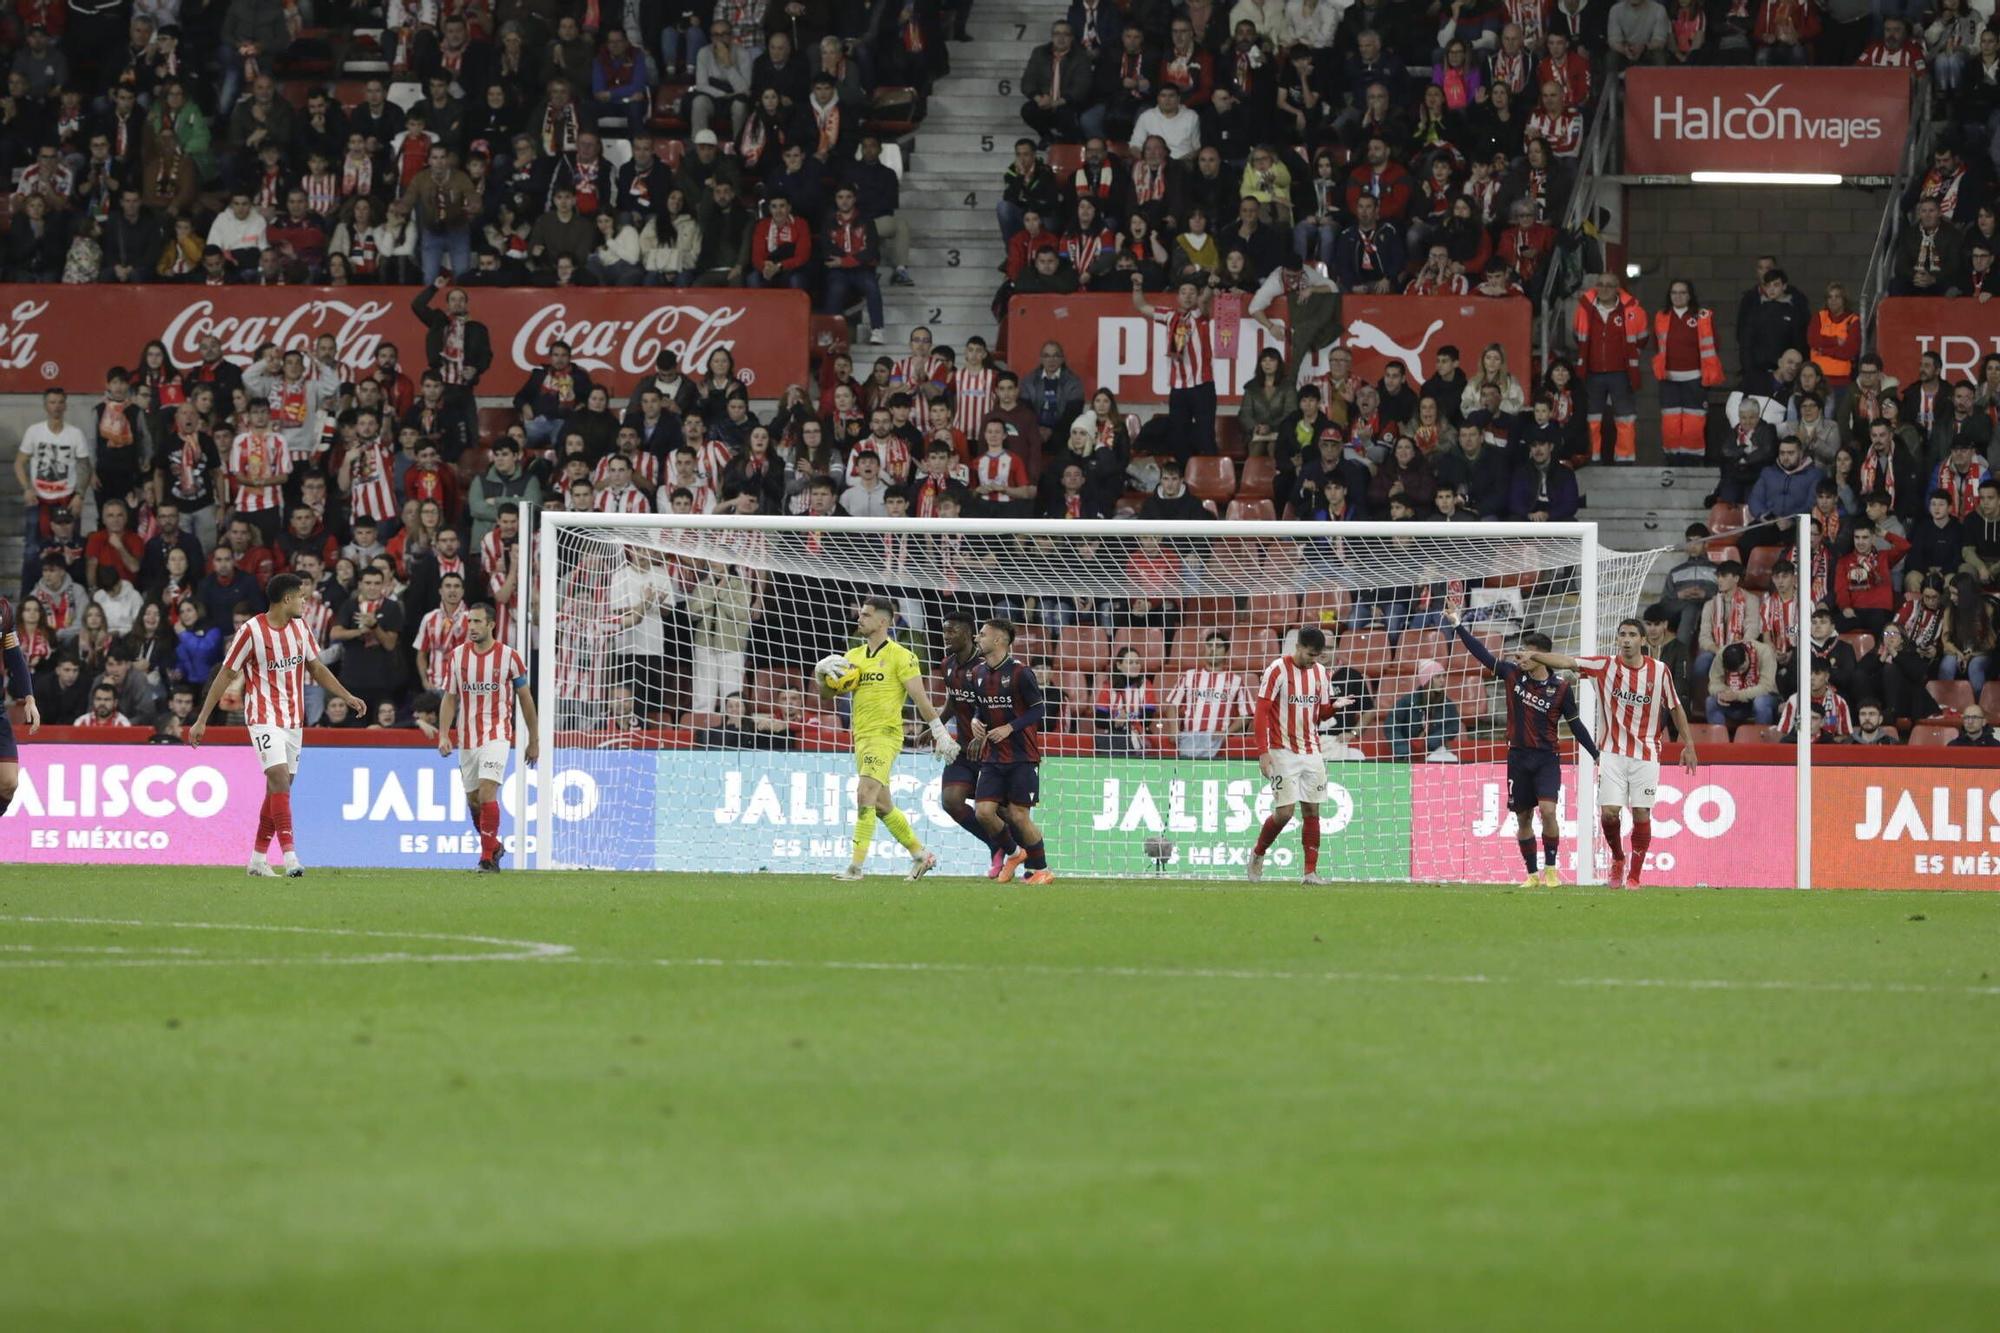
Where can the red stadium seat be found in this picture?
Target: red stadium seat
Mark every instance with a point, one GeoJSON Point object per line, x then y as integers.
{"type": "Point", "coordinates": [494, 421]}
{"type": "Point", "coordinates": [1708, 733]}
{"type": "Point", "coordinates": [1860, 640]}
{"type": "Point", "coordinates": [1474, 700]}
{"type": "Point", "coordinates": [1419, 644]}
{"type": "Point", "coordinates": [1723, 548]}
{"type": "Point", "coordinates": [1229, 437]}
{"type": "Point", "coordinates": [1064, 159]}
{"type": "Point", "coordinates": [1208, 610]}
{"type": "Point", "coordinates": [671, 152]}
{"type": "Point", "coordinates": [892, 112]}
{"type": "Point", "coordinates": [1954, 696]}
{"type": "Point", "coordinates": [1211, 478]}
{"type": "Point", "coordinates": [1255, 478]}
{"type": "Point", "coordinates": [1277, 611]}
{"type": "Point", "coordinates": [1724, 517]}
{"type": "Point", "coordinates": [1757, 573]}
{"type": "Point", "coordinates": [1932, 733]}
{"type": "Point", "coordinates": [1989, 699]}
{"type": "Point", "coordinates": [1150, 643]}
{"type": "Point", "coordinates": [667, 107]}
{"type": "Point", "coordinates": [830, 335]}
{"type": "Point", "coordinates": [1251, 511]}
{"type": "Point", "coordinates": [1325, 607]}
{"type": "Point", "coordinates": [1367, 651]}
{"type": "Point", "coordinates": [1083, 649]}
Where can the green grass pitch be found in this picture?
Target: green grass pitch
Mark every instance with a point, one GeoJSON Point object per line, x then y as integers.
{"type": "Point", "coordinates": [768, 1103]}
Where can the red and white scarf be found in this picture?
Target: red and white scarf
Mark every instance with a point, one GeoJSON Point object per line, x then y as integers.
{"type": "Point", "coordinates": [1729, 614]}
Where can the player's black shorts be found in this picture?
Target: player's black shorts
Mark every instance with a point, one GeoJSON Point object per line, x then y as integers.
{"type": "Point", "coordinates": [9, 752]}
{"type": "Point", "coordinates": [1532, 776]}
{"type": "Point", "coordinates": [959, 773]}
{"type": "Point", "coordinates": [1018, 783]}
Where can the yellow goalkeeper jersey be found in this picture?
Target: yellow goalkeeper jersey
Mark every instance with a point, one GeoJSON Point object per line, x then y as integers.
{"type": "Point", "coordinates": [878, 699]}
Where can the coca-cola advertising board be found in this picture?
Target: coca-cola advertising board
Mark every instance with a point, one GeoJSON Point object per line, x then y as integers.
{"type": "Point", "coordinates": [70, 335]}
{"type": "Point", "coordinates": [1849, 121]}
{"type": "Point", "coordinates": [1110, 345]}
{"type": "Point", "coordinates": [1962, 333]}
{"type": "Point", "coordinates": [1729, 826]}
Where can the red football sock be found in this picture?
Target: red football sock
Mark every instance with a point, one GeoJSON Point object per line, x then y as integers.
{"type": "Point", "coordinates": [263, 826]}
{"type": "Point", "coordinates": [489, 830]}
{"type": "Point", "coordinates": [1273, 826]}
{"type": "Point", "coordinates": [281, 818]}
{"type": "Point", "coordinates": [1613, 835]}
{"type": "Point", "coordinates": [1309, 835]}
{"type": "Point", "coordinates": [1642, 838]}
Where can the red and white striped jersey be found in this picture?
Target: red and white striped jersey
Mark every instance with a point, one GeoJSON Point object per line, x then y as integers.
{"type": "Point", "coordinates": [1297, 696]}
{"type": "Point", "coordinates": [484, 683]}
{"type": "Point", "coordinates": [273, 663]}
{"type": "Point", "coordinates": [318, 617]}
{"type": "Point", "coordinates": [439, 634]}
{"type": "Point", "coordinates": [703, 493]}
{"type": "Point", "coordinates": [1839, 717]}
{"type": "Point", "coordinates": [712, 460]}
{"type": "Point", "coordinates": [1001, 469]}
{"type": "Point", "coordinates": [645, 470]}
{"type": "Point", "coordinates": [917, 371]}
{"type": "Point", "coordinates": [972, 399]}
{"type": "Point", "coordinates": [893, 453]}
{"type": "Point", "coordinates": [1632, 701]}
{"type": "Point", "coordinates": [1781, 618]}
{"type": "Point", "coordinates": [374, 494]}
{"type": "Point", "coordinates": [1188, 347]}
{"type": "Point", "coordinates": [1562, 132]}
{"type": "Point", "coordinates": [1210, 700]}
{"type": "Point", "coordinates": [264, 453]}
{"type": "Point", "coordinates": [631, 500]}
{"type": "Point", "coordinates": [93, 720]}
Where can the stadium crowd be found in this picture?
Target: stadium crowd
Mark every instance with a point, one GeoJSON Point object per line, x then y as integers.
{"type": "Point", "coordinates": [1272, 150]}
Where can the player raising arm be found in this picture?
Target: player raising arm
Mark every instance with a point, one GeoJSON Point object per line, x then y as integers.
{"type": "Point", "coordinates": [21, 685]}
{"type": "Point", "coordinates": [482, 681]}
{"type": "Point", "coordinates": [1633, 691]}
{"type": "Point", "coordinates": [1006, 731]}
{"type": "Point", "coordinates": [889, 674]}
{"type": "Point", "coordinates": [1536, 697]}
{"type": "Point", "coordinates": [961, 660]}
{"type": "Point", "coordinates": [272, 653]}
{"type": "Point", "coordinates": [1292, 698]}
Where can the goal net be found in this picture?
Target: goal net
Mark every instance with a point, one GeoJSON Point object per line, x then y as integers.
{"type": "Point", "coordinates": [677, 653]}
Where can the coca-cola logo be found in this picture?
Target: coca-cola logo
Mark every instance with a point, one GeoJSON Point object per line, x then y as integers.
{"type": "Point", "coordinates": [18, 343]}
{"type": "Point", "coordinates": [353, 326]}
{"type": "Point", "coordinates": [629, 346]}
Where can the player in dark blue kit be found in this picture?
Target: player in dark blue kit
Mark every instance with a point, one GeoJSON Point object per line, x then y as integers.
{"type": "Point", "coordinates": [1536, 697]}
{"type": "Point", "coordinates": [21, 685]}
{"type": "Point", "coordinates": [1006, 738]}
{"type": "Point", "coordinates": [962, 774]}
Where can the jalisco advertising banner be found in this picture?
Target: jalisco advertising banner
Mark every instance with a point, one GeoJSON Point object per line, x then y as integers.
{"type": "Point", "coordinates": [1906, 828]}
{"type": "Point", "coordinates": [1962, 333]}
{"type": "Point", "coordinates": [67, 335]}
{"type": "Point", "coordinates": [1110, 345]}
{"type": "Point", "coordinates": [1852, 121]}
{"type": "Point", "coordinates": [133, 804]}
{"type": "Point", "coordinates": [1730, 826]}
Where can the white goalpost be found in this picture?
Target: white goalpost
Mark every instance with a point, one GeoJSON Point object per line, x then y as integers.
{"type": "Point", "coordinates": [680, 730]}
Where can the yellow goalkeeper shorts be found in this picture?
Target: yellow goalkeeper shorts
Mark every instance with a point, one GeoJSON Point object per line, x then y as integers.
{"type": "Point", "coordinates": [875, 756]}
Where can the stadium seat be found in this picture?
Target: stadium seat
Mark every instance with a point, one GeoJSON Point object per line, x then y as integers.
{"type": "Point", "coordinates": [406, 93]}
{"type": "Point", "coordinates": [671, 152]}
{"type": "Point", "coordinates": [893, 112]}
{"type": "Point", "coordinates": [1367, 651]}
{"type": "Point", "coordinates": [1276, 611]}
{"type": "Point", "coordinates": [1064, 159]}
{"type": "Point", "coordinates": [1082, 649]}
{"type": "Point", "coordinates": [1860, 640]}
{"type": "Point", "coordinates": [1325, 607]}
{"type": "Point", "coordinates": [667, 107]}
{"type": "Point", "coordinates": [1419, 644]}
{"type": "Point", "coordinates": [1474, 700]}
{"type": "Point", "coordinates": [1255, 478]}
{"type": "Point", "coordinates": [1251, 511]}
{"type": "Point", "coordinates": [1208, 610]}
{"type": "Point", "coordinates": [1932, 733]}
{"type": "Point", "coordinates": [1150, 643]}
{"type": "Point", "coordinates": [617, 151]}
{"type": "Point", "coordinates": [1723, 548]}
{"type": "Point", "coordinates": [830, 334]}
{"type": "Point", "coordinates": [1211, 478]}
{"type": "Point", "coordinates": [1708, 733]}
{"type": "Point", "coordinates": [1757, 572]}
{"type": "Point", "coordinates": [1229, 437]}
{"type": "Point", "coordinates": [1727, 517]}
{"type": "Point", "coordinates": [1954, 696]}
{"type": "Point", "coordinates": [1129, 504]}
{"type": "Point", "coordinates": [494, 421]}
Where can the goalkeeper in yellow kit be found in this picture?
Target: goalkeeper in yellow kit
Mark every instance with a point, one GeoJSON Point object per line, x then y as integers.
{"type": "Point", "coordinates": [889, 674]}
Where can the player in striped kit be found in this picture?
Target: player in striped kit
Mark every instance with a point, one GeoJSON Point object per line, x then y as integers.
{"type": "Point", "coordinates": [961, 775]}
{"type": "Point", "coordinates": [1293, 697]}
{"type": "Point", "coordinates": [1634, 690]}
{"type": "Point", "coordinates": [1536, 697]}
{"type": "Point", "coordinates": [272, 653]}
{"type": "Point", "coordinates": [483, 680]}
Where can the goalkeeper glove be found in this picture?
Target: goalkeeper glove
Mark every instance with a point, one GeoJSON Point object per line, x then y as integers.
{"type": "Point", "coordinates": [941, 741]}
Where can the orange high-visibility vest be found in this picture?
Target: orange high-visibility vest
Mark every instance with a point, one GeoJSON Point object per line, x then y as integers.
{"type": "Point", "coordinates": [1703, 330]}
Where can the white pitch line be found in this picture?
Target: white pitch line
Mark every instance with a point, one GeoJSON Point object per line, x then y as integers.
{"type": "Point", "coordinates": [1365, 978]}
{"type": "Point", "coordinates": [513, 951]}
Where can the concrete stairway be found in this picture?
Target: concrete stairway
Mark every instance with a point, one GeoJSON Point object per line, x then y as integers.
{"type": "Point", "coordinates": [953, 178]}
{"type": "Point", "coordinates": [1639, 508]}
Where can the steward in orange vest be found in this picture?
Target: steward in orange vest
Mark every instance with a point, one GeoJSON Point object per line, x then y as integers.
{"type": "Point", "coordinates": [1685, 363]}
